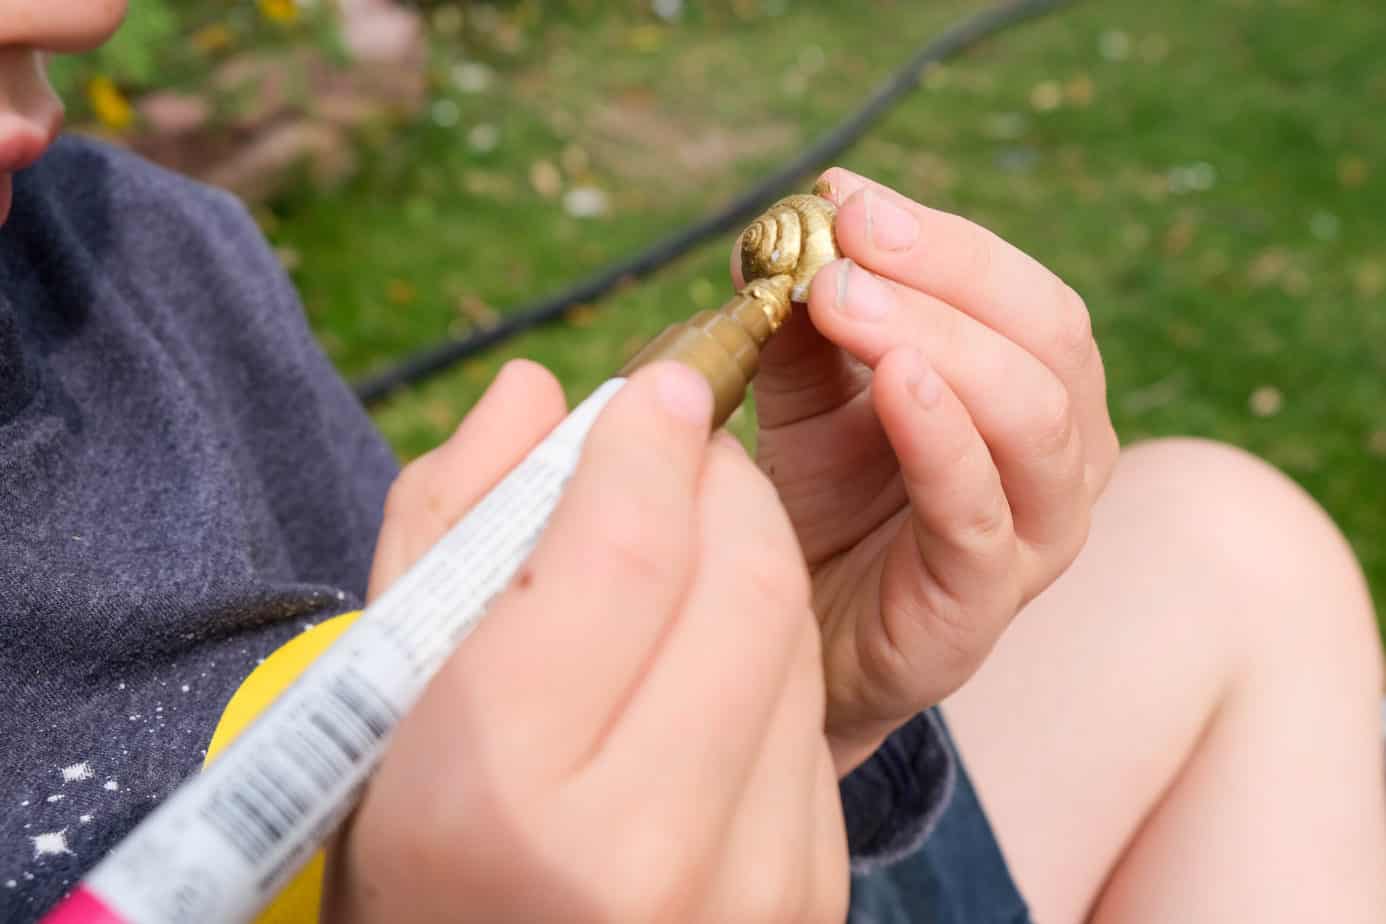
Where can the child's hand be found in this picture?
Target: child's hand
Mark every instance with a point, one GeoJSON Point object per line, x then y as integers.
{"type": "Point", "coordinates": [938, 434]}
{"type": "Point", "coordinates": [635, 732]}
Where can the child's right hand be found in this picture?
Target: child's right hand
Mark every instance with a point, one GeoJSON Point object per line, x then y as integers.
{"type": "Point", "coordinates": [635, 732]}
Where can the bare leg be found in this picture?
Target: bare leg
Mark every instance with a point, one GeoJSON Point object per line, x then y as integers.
{"type": "Point", "coordinates": [1186, 728]}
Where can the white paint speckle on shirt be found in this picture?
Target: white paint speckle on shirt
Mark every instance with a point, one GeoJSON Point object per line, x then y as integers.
{"type": "Point", "coordinates": [112, 785]}
{"type": "Point", "coordinates": [11, 884]}
{"type": "Point", "coordinates": [52, 844]}
{"type": "Point", "coordinates": [56, 797]}
{"type": "Point", "coordinates": [78, 773]}
{"type": "Point", "coordinates": [186, 688]}
{"type": "Point", "coordinates": [85, 819]}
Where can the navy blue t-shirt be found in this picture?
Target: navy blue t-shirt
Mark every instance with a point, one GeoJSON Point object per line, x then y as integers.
{"type": "Point", "coordinates": [185, 484]}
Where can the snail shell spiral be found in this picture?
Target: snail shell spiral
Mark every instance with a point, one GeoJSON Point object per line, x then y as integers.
{"type": "Point", "coordinates": [794, 238]}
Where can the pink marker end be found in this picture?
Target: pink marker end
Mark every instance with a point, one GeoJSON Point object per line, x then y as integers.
{"type": "Point", "coordinates": [83, 907]}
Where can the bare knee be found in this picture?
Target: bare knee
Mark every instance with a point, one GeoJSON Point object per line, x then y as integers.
{"type": "Point", "coordinates": [1259, 542]}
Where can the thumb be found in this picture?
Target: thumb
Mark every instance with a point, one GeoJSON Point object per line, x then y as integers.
{"type": "Point", "coordinates": [432, 493]}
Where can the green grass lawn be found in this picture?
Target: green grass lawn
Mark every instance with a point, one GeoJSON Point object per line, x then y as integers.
{"type": "Point", "coordinates": [1211, 175]}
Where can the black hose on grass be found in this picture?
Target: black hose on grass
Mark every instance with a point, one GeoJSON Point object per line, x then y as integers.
{"type": "Point", "coordinates": [958, 37]}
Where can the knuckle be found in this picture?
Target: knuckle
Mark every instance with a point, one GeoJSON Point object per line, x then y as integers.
{"type": "Point", "coordinates": [1049, 559]}
{"type": "Point", "coordinates": [962, 608]}
{"type": "Point", "coordinates": [654, 876]}
{"type": "Point", "coordinates": [973, 625]}
{"type": "Point", "coordinates": [979, 254]}
{"type": "Point", "coordinates": [634, 547]}
{"type": "Point", "coordinates": [771, 894]}
{"type": "Point", "coordinates": [1052, 426]}
{"type": "Point", "coordinates": [1076, 537]}
{"type": "Point", "coordinates": [1105, 457]}
{"type": "Point", "coordinates": [1111, 447]}
{"type": "Point", "coordinates": [950, 624]}
{"type": "Point", "coordinates": [411, 853]}
{"type": "Point", "coordinates": [405, 495]}
{"type": "Point", "coordinates": [958, 449]}
{"type": "Point", "coordinates": [985, 526]}
{"type": "Point", "coordinates": [1082, 529]}
{"type": "Point", "coordinates": [778, 583]}
{"type": "Point", "coordinates": [1072, 326]}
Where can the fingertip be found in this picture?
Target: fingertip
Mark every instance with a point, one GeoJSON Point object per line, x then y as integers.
{"type": "Point", "coordinates": [527, 379]}
{"type": "Point", "coordinates": [663, 413]}
{"type": "Point", "coordinates": [523, 394]}
{"type": "Point", "coordinates": [525, 368]}
{"type": "Point", "coordinates": [885, 230]}
{"type": "Point", "coordinates": [838, 184]}
{"type": "Point", "coordinates": [682, 392]}
{"type": "Point", "coordinates": [531, 375]}
{"type": "Point", "coordinates": [827, 290]}
{"type": "Point", "coordinates": [857, 309]}
{"type": "Point", "coordinates": [850, 223]}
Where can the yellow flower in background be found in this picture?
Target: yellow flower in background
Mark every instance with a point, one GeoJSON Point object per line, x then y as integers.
{"type": "Point", "coordinates": [284, 12]}
{"type": "Point", "coordinates": [109, 104]}
{"type": "Point", "coordinates": [213, 38]}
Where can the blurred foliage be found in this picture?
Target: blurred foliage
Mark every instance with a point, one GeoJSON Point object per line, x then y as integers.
{"type": "Point", "coordinates": [140, 52]}
{"type": "Point", "coordinates": [176, 44]}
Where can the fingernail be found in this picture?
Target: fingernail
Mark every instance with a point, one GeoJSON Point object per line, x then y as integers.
{"type": "Point", "coordinates": [839, 183]}
{"type": "Point", "coordinates": [684, 393]}
{"type": "Point", "coordinates": [923, 382]}
{"type": "Point", "coordinates": [860, 294]}
{"type": "Point", "coordinates": [888, 226]}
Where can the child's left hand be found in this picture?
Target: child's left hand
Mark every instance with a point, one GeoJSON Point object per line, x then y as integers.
{"type": "Point", "coordinates": [939, 434]}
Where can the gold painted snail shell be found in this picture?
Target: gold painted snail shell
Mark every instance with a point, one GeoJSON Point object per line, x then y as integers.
{"type": "Point", "coordinates": [794, 238]}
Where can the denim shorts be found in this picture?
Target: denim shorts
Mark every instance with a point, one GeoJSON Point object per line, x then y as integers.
{"type": "Point", "coordinates": [957, 876]}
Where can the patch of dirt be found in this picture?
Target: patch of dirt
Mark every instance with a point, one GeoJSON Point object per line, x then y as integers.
{"type": "Point", "coordinates": [638, 140]}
